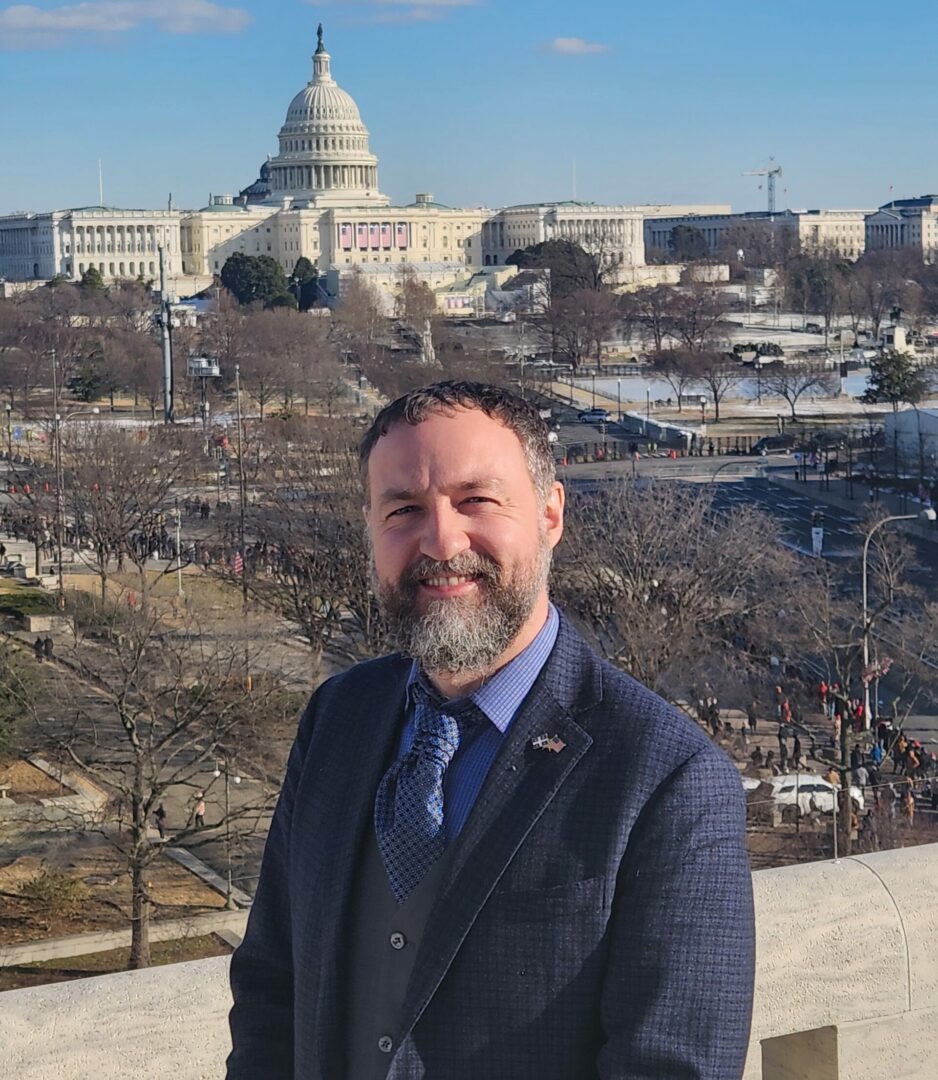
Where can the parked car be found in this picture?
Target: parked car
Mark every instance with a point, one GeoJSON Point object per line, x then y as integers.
{"type": "Point", "coordinates": [828, 440]}
{"type": "Point", "coordinates": [774, 444]}
{"type": "Point", "coordinates": [594, 416]}
{"type": "Point", "coordinates": [803, 788]}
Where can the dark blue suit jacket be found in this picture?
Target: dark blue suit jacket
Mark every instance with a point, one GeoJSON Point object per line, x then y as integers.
{"type": "Point", "coordinates": [596, 916]}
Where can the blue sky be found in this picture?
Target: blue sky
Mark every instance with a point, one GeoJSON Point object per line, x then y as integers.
{"type": "Point", "coordinates": [482, 102]}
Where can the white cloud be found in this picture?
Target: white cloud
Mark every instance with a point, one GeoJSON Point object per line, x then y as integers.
{"type": "Point", "coordinates": [575, 46]}
{"type": "Point", "coordinates": [397, 11]}
{"type": "Point", "coordinates": [24, 25]}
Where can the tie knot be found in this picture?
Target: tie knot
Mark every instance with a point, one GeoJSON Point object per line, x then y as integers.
{"type": "Point", "coordinates": [436, 734]}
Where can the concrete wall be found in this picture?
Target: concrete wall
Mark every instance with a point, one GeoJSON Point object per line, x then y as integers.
{"type": "Point", "coordinates": [847, 987]}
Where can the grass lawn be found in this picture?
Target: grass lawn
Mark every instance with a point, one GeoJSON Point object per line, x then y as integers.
{"type": "Point", "coordinates": [106, 963]}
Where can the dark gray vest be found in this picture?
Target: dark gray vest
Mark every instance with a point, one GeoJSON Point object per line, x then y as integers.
{"type": "Point", "coordinates": [382, 943]}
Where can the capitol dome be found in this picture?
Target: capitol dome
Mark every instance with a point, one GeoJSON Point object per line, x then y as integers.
{"type": "Point", "coordinates": [320, 102]}
{"type": "Point", "coordinates": [324, 157]}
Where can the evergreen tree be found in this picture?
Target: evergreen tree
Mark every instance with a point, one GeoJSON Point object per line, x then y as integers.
{"type": "Point", "coordinates": [91, 279]}
{"type": "Point", "coordinates": [688, 243]}
{"type": "Point", "coordinates": [895, 379]}
{"type": "Point", "coordinates": [305, 277]}
{"type": "Point", "coordinates": [571, 268]}
{"type": "Point", "coordinates": [256, 279]}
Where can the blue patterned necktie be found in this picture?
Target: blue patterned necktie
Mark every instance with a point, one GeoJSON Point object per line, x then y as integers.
{"type": "Point", "coordinates": [409, 803]}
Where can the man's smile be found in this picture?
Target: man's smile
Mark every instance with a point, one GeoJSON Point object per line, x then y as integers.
{"type": "Point", "coordinates": [449, 584]}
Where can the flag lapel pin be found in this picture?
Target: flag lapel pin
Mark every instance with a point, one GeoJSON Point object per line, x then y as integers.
{"type": "Point", "coordinates": [552, 743]}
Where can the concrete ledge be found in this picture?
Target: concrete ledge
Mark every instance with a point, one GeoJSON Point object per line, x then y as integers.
{"type": "Point", "coordinates": [214, 881]}
{"type": "Point", "coordinates": [87, 797]}
{"type": "Point", "coordinates": [164, 1024]}
{"type": "Point", "coordinates": [847, 953]}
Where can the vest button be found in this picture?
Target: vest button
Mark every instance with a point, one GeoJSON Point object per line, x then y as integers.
{"type": "Point", "coordinates": [398, 941]}
{"type": "Point", "coordinates": [385, 1044]}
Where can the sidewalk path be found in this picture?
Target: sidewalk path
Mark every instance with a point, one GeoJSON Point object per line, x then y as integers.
{"type": "Point", "coordinates": [32, 952]}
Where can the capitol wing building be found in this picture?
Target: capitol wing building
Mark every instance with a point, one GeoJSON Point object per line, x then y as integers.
{"type": "Point", "coordinates": [320, 198]}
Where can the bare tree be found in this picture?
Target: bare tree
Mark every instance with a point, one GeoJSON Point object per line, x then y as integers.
{"type": "Point", "coordinates": [141, 368]}
{"type": "Point", "coordinates": [33, 504]}
{"type": "Point", "coordinates": [359, 319]}
{"type": "Point", "coordinates": [164, 711]}
{"type": "Point", "coordinates": [414, 302]}
{"type": "Point", "coordinates": [46, 327]}
{"type": "Point", "coordinates": [902, 631]}
{"type": "Point", "coordinates": [880, 278]}
{"type": "Point", "coordinates": [653, 308]}
{"type": "Point", "coordinates": [221, 334]}
{"type": "Point", "coordinates": [263, 366]}
{"type": "Point", "coordinates": [696, 316]}
{"type": "Point", "coordinates": [120, 490]}
{"type": "Point", "coordinates": [663, 585]}
{"type": "Point", "coordinates": [679, 368]}
{"type": "Point", "coordinates": [791, 383]}
{"type": "Point", "coordinates": [762, 243]}
{"type": "Point", "coordinates": [312, 558]}
{"type": "Point", "coordinates": [719, 373]}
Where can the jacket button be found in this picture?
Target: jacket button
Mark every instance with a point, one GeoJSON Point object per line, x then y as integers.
{"type": "Point", "coordinates": [385, 1044]}
{"type": "Point", "coordinates": [398, 941]}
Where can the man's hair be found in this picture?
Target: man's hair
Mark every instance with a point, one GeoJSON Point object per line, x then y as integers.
{"type": "Point", "coordinates": [443, 398]}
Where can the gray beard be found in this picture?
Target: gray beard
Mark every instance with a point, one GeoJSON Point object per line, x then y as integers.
{"type": "Point", "coordinates": [463, 636]}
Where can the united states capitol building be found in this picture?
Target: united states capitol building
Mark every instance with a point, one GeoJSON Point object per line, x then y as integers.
{"type": "Point", "coordinates": [319, 197]}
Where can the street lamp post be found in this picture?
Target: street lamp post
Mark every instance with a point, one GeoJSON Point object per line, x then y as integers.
{"type": "Point", "coordinates": [926, 514]}
{"type": "Point", "coordinates": [57, 421]}
{"type": "Point", "coordinates": [619, 400]}
{"type": "Point", "coordinates": [594, 389]}
{"type": "Point", "coordinates": [9, 409]}
{"type": "Point", "coordinates": [177, 514]}
{"type": "Point", "coordinates": [229, 779]}
{"type": "Point", "coordinates": [241, 492]}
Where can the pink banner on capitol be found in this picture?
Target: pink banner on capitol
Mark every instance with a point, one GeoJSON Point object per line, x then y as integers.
{"type": "Point", "coordinates": [401, 234]}
{"type": "Point", "coordinates": [362, 234]}
{"type": "Point", "coordinates": [375, 230]}
{"type": "Point", "coordinates": [345, 237]}
{"type": "Point", "coordinates": [385, 234]}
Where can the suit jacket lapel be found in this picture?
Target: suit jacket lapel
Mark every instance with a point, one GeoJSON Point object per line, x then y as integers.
{"type": "Point", "coordinates": [365, 739]}
{"type": "Point", "coordinates": [516, 792]}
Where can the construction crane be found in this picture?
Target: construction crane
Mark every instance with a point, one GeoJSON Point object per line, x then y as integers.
{"type": "Point", "coordinates": [771, 171]}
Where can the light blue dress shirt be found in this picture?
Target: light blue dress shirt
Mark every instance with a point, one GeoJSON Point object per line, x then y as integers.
{"type": "Point", "coordinates": [484, 718]}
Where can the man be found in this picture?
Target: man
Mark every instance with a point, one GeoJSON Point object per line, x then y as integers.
{"type": "Point", "coordinates": [494, 855]}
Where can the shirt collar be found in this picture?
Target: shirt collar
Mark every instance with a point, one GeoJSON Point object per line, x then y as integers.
{"type": "Point", "coordinates": [500, 697]}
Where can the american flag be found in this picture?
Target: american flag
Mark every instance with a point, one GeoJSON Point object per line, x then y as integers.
{"type": "Point", "coordinates": [238, 563]}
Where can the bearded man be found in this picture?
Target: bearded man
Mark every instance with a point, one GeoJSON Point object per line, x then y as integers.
{"type": "Point", "coordinates": [495, 856]}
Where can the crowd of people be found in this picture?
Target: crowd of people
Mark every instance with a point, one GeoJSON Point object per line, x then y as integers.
{"type": "Point", "coordinates": [885, 764]}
